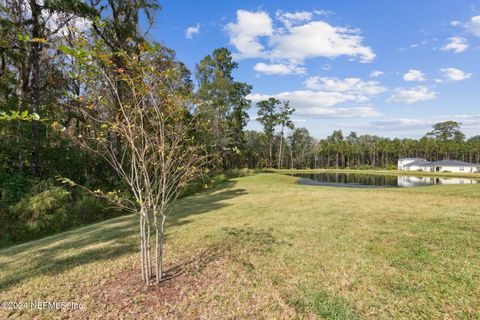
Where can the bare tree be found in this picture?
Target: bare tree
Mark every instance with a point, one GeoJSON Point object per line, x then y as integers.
{"type": "Point", "coordinates": [154, 122]}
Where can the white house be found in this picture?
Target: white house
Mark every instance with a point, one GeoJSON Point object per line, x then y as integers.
{"type": "Point", "coordinates": [417, 164]}
{"type": "Point", "coordinates": [402, 162]}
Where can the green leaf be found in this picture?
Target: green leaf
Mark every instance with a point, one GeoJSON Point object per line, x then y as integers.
{"type": "Point", "coordinates": [67, 50]}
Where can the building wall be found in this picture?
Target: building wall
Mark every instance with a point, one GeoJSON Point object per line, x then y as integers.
{"type": "Point", "coordinates": [419, 168]}
{"type": "Point", "coordinates": [413, 168]}
{"type": "Point", "coordinates": [404, 162]}
{"type": "Point", "coordinates": [457, 169]}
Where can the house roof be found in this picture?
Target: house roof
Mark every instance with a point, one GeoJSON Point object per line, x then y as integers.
{"type": "Point", "coordinates": [419, 163]}
{"type": "Point", "coordinates": [454, 163]}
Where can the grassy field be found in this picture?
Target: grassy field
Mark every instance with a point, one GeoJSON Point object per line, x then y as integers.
{"type": "Point", "coordinates": [264, 247]}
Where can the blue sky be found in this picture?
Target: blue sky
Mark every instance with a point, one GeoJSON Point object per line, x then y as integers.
{"type": "Point", "coordinates": [390, 68]}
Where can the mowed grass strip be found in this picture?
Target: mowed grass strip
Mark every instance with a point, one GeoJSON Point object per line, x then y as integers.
{"type": "Point", "coordinates": [265, 247]}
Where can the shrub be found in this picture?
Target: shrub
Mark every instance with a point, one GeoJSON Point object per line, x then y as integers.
{"type": "Point", "coordinates": [42, 213]}
{"type": "Point", "coordinates": [88, 209]}
{"type": "Point", "coordinates": [203, 183]}
{"type": "Point", "coordinates": [209, 182]}
{"type": "Point", "coordinates": [30, 208]}
{"type": "Point", "coordinates": [236, 173]}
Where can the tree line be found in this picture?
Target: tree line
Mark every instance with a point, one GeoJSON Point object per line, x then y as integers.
{"type": "Point", "coordinates": [301, 150]}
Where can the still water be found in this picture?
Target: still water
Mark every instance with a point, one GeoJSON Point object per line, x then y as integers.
{"type": "Point", "coordinates": [355, 180]}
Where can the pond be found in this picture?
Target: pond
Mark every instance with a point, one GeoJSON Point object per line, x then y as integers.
{"type": "Point", "coordinates": [356, 180]}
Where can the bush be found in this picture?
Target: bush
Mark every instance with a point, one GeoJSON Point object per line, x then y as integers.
{"type": "Point", "coordinates": [391, 167]}
{"type": "Point", "coordinates": [42, 213]}
{"type": "Point", "coordinates": [88, 209]}
{"type": "Point", "coordinates": [209, 182]}
{"type": "Point", "coordinates": [236, 173]}
{"type": "Point", "coordinates": [30, 209]}
{"type": "Point", "coordinates": [46, 209]}
{"type": "Point", "coordinates": [203, 183]}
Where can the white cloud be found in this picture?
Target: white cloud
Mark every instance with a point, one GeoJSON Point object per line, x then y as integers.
{"type": "Point", "coordinates": [414, 75]}
{"type": "Point", "coordinates": [455, 23]}
{"type": "Point", "coordinates": [376, 74]}
{"type": "Point", "coordinates": [456, 44]}
{"type": "Point", "coordinates": [353, 112]}
{"type": "Point", "coordinates": [473, 26]}
{"type": "Point", "coordinates": [349, 85]}
{"type": "Point", "coordinates": [299, 120]}
{"type": "Point", "coordinates": [324, 97]}
{"type": "Point", "coordinates": [402, 123]}
{"type": "Point", "coordinates": [469, 121]}
{"type": "Point", "coordinates": [411, 95]}
{"type": "Point", "coordinates": [281, 69]}
{"type": "Point", "coordinates": [190, 31]}
{"type": "Point", "coordinates": [309, 98]}
{"type": "Point", "coordinates": [244, 33]}
{"type": "Point", "coordinates": [422, 43]}
{"type": "Point", "coordinates": [301, 40]}
{"type": "Point", "coordinates": [321, 103]}
{"type": "Point", "coordinates": [454, 74]}
{"type": "Point", "coordinates": [415, 127]}
{"type": "Point", "coordinates": [293, 18]}
{"type": "Point", "coordinates": [319, 39]}
{"type": "Point", "coordinates": [323, 12]}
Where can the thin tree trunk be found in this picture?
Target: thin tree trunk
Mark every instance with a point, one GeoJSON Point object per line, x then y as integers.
{"type": "Point", "coordinates": [149, 252]}
{"type": "Point", "coordinates": [159, 249]}
{"type": "Point", "coordinates": [280, 151]}
{"type": "Point", "coordinates": [22, 88]}
{"type": "Point", "coordinates": [142, 248]}
{"type": "Point", "coordinates": [158, 256]}
{"type": "Point", "coordinates": [36, 12]}
{"type": "Point", "coordinates": [270, 147]}
{"type": "Point", "coordinates": [291, 157]}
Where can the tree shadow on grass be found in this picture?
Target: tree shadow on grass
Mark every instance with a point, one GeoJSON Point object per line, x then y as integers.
{"type": "Point", "coordinates": [204, 202]}
{"type": "Point", "coordinates": [101, 241]}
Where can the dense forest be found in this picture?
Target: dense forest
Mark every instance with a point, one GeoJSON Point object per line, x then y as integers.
{"type": "Point", "coordinates": [72, 70]}
{"type": "Point", "coordinates": [445, 141]}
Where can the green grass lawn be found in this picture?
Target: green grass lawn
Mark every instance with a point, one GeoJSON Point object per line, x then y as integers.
{"type": "Point", "coordinates": [264, 247]}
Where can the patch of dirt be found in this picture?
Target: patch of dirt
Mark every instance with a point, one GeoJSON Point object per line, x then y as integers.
{"type": "Point", "coordinates": [225, 281]}
{"type": "Point", "coordinates": [125, 296]}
